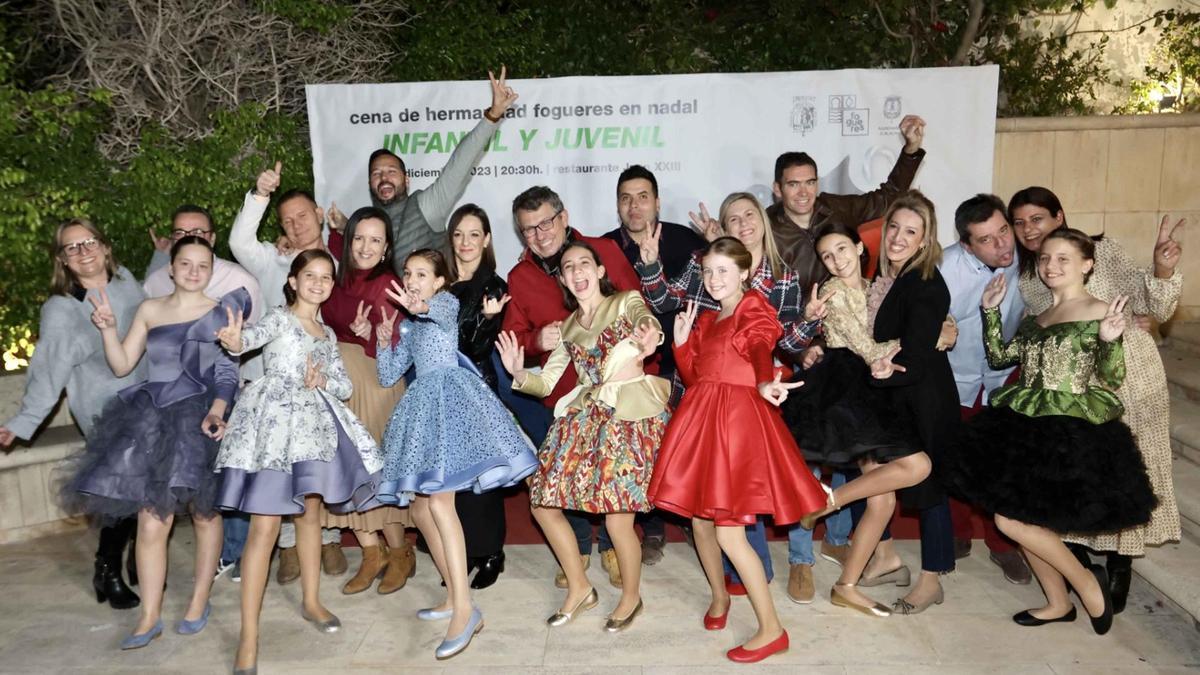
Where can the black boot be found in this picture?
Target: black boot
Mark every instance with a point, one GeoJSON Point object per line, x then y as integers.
{"type": "Point", "coordinates": [110, 586]}
{"type": "Point", "coordinates": [131, 562]}
{"type": "Point", "coordinates": [1120, 573]}
{"type": "Point", "coordinates": [1081, 554]}
{"type": "Point", "coordinates": [489, 570]}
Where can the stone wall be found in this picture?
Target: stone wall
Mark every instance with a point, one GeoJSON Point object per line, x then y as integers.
{"type": "Point", "coordinates": [1114, 174]}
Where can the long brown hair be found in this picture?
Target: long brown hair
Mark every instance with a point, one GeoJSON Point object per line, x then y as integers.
{"type": "Point", "coordinates": [606, 285]}
{"type": "Point", "coordinates": [62, 279]}
{"type": "Point", "coordinates": [930, 253]}
{"type": "Point", "coordinates": [770, 251]}
{"type": "Point", "coordinates": [487, 259]}
{"type": "Point", "coordinates": [298, 264]}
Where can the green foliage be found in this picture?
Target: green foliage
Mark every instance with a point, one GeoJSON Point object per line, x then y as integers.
{"type": "Point", "coordinates": [1172, 74]}
{"type": "Point", "coordinates": [318, 15]}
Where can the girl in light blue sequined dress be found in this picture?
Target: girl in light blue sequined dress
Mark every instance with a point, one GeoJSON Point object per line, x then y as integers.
{"type": "Point", "coordinates": [449, 433]}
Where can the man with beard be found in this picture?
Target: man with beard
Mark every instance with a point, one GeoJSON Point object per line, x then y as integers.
{"type": "Point", "coordinates": [638, 210]}
{"type": "Point", "coordinates": [419, 218]}
{"type": "Point", "coordinates": [985, 248]}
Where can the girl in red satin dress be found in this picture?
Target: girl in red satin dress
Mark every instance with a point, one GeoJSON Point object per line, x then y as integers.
{"type": "Point", "coordinates": [727, 456]}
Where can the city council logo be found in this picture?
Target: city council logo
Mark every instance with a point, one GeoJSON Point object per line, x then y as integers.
{"type": "Point", "coordinates": [804, 114]}
{"type": "Point", "coordinates": [891, 107]}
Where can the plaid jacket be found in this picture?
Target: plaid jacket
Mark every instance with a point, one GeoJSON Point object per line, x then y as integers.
{"type": "Point", "coordinates": [785, 294]}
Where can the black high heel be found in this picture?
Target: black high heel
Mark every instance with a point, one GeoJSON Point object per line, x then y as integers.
{"type": "Point", "coordinates": [109, 585]}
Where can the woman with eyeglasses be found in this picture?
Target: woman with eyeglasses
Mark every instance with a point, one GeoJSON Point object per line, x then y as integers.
{"type": "Point", "coordinates": [70, 355]}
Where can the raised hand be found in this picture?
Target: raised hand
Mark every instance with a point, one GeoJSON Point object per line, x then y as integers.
{"type": "Point", "coordinates": [549, 336]}
{"type": "Point", "coordinates": [314, 378]}
{"type": "Point", "coordinates": [230, 336]}
{"type": "Point", "coordinates": [337, 219]}
{"type": "Point", "coordinates": [1143, 322]}
{"type": "Point", "coordinates": [407, 299]}
{"type": "Point", "coordinates": [775, 391]}
{"type": "Point", "coordinates": [512, 354]}
{"type": "Point", "coordinates": [361, 326]}
{"type": "Point", "coordinates": [647, 336]}
{"type": "Point", "coordinates": [948, 335]}
{"type": "Point", "coordinates": [705, 224]}
{"type": "Point", "coordinates": [684, 322]}
{"type": "Point", "coordinates": [283, 246]}
{"type": "Point", "coordinates": [268, 180]}
{"type": "Point", "coordinates": [994, 292]}
{"type": "Point", "coordinates": [162, 244]}
{"type": "Point", "coordinates": [213, 427]}
{"type": "Point", "coordinates": [1167, 251]}
{"type": "Point", "coordinates": [649, 244]}
{"type": "Point", "coordinates": [883, 367]}
{"type": "Point", "coordinates": [815, 308]}
{"type": "Point", "coordinates": [492, 306]}
{"type": "Point", "coordinates": [912, 128]}
{"type": "Point", "coordinates": [1113, 323]}
{"type": "Point", "coordinates": [103, 316]}
{"type": "Point", "coordinates": [385, 328]}
{"type": "Point", "coordinates": [503, 95]}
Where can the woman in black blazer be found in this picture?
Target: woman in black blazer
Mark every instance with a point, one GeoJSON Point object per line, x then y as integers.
{"type": "Point", "coordinates": [921, 384]}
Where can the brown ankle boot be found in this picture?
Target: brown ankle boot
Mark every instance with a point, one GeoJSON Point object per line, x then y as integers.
{"type": "Point", "coordinates": [401, 564]}
{"type": "Point", "coordinates": [373, 564]}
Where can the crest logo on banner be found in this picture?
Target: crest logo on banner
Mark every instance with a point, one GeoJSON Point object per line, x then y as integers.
{"type": "Point", "coordinates": [838, 103]}
{"type": "Point", "coordinates": [855, 121]}
{"type": "Point", "coordinates": [891, 107]}
{"type": "Point", "coordinates": [804, 114]}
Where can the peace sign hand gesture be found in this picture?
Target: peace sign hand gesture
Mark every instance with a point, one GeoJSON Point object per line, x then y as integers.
{"type": "Point", "coordinates": [684, 322]}
{"type": "Point", "coordinates": [268, 180]}
{"type": "Point", "coordinates": [335, 217]}
{"type": "Point", "coordinates": [883, 368]}
{"type": "Point", "coordinates": [361, 326]}
{"type": "Point", "coordinates": [649, 244]}
{"type": "Point", "coordinates": [385, 328]}
{"type": "Point", "coordinates": [775, 391]}
{"type": "Point", "coordinates": [646, 335]}
{"type": "Point", "coordinates": [1167, 250]}
{"type": "Point", "coordinates": [314, 378]}
{"type": "Point", "coordinates": [815, 308]}
{"type": "Point", "coordinates": [492, 306]}
{"type": "Point", "coordinates": [230, 336]}
{"type": "Point", "coordinates": [161, 244]}
{"type": "Point", "coordinates": [103, 316]}
{"type": "Point", "coordinates": [705, 224]}
{"type": "Point", "coordinates": [503, 95]}
{"type": "Point", "coordinates": [1113, 323]}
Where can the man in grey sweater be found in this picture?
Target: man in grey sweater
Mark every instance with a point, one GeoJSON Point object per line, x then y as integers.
{"type": "Point", "coordinates": [419, 218]}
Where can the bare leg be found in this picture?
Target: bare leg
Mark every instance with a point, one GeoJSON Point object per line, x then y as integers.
{"type": "Point", "coordinates": [885, 559]}
{"type": "Point", "coordinates": [1058, 602]}
{"type": "Point", "coordinates": [866, 536]}
{"type": "Point", "coordinates": [151, 552]}
{"type": "Point", "coordinates": [256, 564]}
{"type": "Point", "coordinates": [880, 478]}
{"type": "Point", "coordinates": [449, 533]}
{"type": "Point", "coordinates": [394, 534]}
{"type": "Point", "coordinates": [208, 549]}
{"type": "Point", "coordinates": [366, 538]}
{"type": "Point", "coordinates": [423, 516]}
{"type": "Point", "coordinates": [733, 541]}
{"type": "Point", "coordinates": [308, 549]}
{"type": "Point", "coordinates": [629, 561]}
{"type": "Point", "coordinates": [704, 533]}
{"type": "Point", "coordinates": [562, 542]}
{"type": "Point", "coordinates": [1047, 547]}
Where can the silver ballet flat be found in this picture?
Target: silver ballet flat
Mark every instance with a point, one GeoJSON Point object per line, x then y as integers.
{"type": "Point", "coordinates": [330, 625]}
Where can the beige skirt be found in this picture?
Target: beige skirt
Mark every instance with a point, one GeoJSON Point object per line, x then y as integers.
{"type": "Point", "coordinates": [373, 405]}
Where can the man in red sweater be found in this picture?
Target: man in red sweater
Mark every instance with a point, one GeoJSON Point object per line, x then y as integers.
{"type": "Point", "coordinates": [536, 313]}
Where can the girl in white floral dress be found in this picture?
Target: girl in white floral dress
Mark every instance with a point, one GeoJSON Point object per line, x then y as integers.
{"type": "Point", "coordinates": [292, 443]}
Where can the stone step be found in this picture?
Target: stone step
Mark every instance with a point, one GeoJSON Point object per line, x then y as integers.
{"type": "Point", "coordinates": [1185, 428]}
{"type": "Point", "coordinates": [1186, 475]}
{"type": "Point", "coordinates": [1171, 570]}
{"type": "Point", "coordinates": [1183, 373]}
{"type": "Point", "coordinates": [1184, 336]}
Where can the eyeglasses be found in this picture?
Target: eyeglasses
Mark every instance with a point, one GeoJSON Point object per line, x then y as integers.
{"type": "Point", "coordinates": [180, 234]}
{"type": "Point", "coordinates": [543, 225]}
{"type": "Point", "coordinates": [80, 247]}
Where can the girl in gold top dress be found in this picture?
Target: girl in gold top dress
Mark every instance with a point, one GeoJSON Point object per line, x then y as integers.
{"type": "Point", "coordinates": [1034, 212]}
{"type": "Point", "coordinates": [1050, 455]}
{"type": "Point", "coordinates": [599, 453]}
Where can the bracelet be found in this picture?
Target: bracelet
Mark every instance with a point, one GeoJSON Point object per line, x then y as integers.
{"type": "Point", "coordinates": [489, 118]}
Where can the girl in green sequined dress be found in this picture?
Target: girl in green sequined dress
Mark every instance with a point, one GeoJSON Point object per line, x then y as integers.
{"type": "Point", "coordinates": [1050, 455]}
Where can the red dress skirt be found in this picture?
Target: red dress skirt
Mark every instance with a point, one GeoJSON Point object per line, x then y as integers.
{"type": "Point", "coordinates": [727, 455]}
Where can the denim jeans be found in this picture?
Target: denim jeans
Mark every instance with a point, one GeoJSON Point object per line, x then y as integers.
{"type": "Point", "coordinates": [937, 535]}
{"type": "Point", "coordinates": [756, 534]}
{"type": "Point", "coordinates": [581, 524]}
{"type": "Point", "coordinates": [837, 527]}
{"type": "Point", "coordinates": [237, 527]}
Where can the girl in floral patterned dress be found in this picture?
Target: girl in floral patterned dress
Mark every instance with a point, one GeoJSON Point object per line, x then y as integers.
{"type": "Point", "coordinates": [599, 453]}
{"type": "Point", "coordinates": [292, 443]}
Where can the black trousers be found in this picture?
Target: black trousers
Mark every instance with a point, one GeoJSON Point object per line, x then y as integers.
{"type": "Point", "coordinates": [483, 521]}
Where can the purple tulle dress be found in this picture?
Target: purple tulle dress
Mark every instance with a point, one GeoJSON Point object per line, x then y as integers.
{"type": "Point", "coordinates": [147, 450]}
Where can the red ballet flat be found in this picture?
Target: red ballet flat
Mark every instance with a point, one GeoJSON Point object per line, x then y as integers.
{"type": "Point", "coordinates": [733, 588]}
{"type": "Point", "coordinates": [743, 655]}
{"type": "Point", "coordinates": [715, 622]}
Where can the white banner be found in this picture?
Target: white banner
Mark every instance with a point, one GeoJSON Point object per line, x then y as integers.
{"type": "Point", "coordinates": [703, 136]}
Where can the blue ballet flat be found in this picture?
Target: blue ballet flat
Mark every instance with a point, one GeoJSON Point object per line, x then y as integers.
{"type": "Point", "coordinates": [431, 614]}
{"type": "Point", "coordinates": [185, 627]}
{"type": "Point", "coordinates": [139, 640]}
{"type": "Point", "coordinates": [459, 642]}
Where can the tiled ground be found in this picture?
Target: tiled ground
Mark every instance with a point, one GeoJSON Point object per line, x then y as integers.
{"type": "Point", "coordinates": [51, 624]}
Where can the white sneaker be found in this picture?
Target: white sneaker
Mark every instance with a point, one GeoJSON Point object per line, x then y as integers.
{"type": "Point", "coordinates": [224, 566]}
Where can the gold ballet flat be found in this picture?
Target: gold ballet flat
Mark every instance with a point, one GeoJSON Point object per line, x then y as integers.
{"type": "Point", "coordinates": [810, 521]}
{"type": "Point", "coordinates": [563, 618]}
{"type": "Point", "coordinates": [615, 625]}
{"type": "Point", "coordinates": [839, 600]}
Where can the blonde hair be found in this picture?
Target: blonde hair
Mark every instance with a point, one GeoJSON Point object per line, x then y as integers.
{"type": "Point", "coordinates": [62, 279]}
{"type": "Point", "coordinates": [929, 254]}
{"type": "Point", "coordinates": [770, 251]}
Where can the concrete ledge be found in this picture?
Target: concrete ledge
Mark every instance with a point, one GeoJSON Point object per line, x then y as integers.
{"type": "Point", "coordinates": [1171, 569]}
{"type": "Point", "coordinates": [29, 487]}
{"type": "Point", "coordinates": [1160, 121]}
{"type": "Point", "coordinates": [1185, 429]}
{"type": "Point", "coordinates": [1183, 373]}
